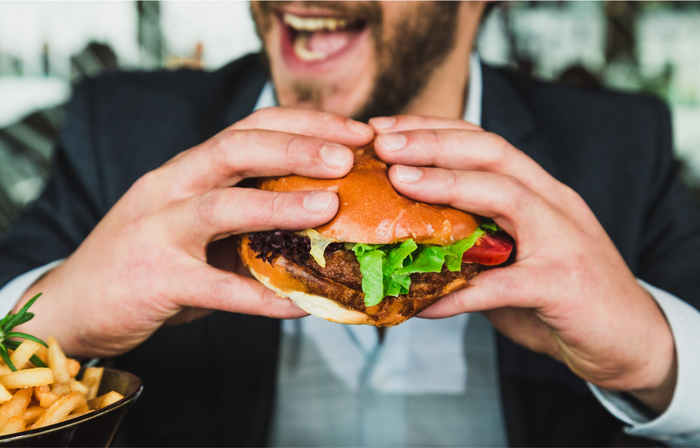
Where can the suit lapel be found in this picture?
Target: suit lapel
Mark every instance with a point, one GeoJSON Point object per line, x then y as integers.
{"type": "Point", "coordinates": [242, 100]}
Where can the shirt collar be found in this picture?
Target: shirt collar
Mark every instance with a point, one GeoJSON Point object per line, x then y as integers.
{"type": "Point", "coordinates": [474, 92]}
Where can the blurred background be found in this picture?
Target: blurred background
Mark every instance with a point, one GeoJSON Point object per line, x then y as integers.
{"type": "Point", "coordinates": [46, 47]}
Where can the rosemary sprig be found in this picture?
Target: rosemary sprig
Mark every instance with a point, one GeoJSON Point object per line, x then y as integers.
{"type": "Point", "coordinates": [7, 324]}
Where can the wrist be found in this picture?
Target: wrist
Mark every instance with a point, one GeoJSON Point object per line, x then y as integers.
{"type": "Point", "coordinates": [659, 397]}
{"type": "Point", "coordinates": [655, 382]}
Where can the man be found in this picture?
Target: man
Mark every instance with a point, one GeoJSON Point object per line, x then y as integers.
{"type": "Point", "coordinates": [144, 225]}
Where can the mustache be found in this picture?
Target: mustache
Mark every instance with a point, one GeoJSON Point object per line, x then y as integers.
{"type": "Point", "coordinates": [368, 12]}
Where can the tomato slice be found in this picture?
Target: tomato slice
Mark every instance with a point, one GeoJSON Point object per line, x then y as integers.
{"type": "Point", "coordinates": [489, 250]}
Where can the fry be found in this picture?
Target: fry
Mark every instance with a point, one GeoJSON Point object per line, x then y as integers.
{"type": "Point", "coordinates": [15, 406]}
{"type": "Point", "coordinates": [21, 356]}
{"type": "Point", "coordinates": [81, 410]}
{"type": "Point", "coordinates": [32, 414]}
{"type": "Point", "coordinates": [37, 376]}
{"type": "Point", "coordinates": [60, 389]}
{"type": "Point", "coordinates": [48, 399]}
{"type": "Point", "coordinates": [109, 398]}
{"type": "Point", "coordinates": [105, 400]}
{"type": "Point", "coordinates": [4, 394]}
{"type": "Point", "coordinates": [92, 378]}
{"type": "Point", "coordinates": [43, 354]}
{"type": "Point", "coordinates": [60, 409]}
{"type": "Point", "coordinates": [77, 414]}
{"type": "Point", "coordinates": [41, 390]}
{"type": "Point", "coordinates": [73, 367]}
{"type": "Point", "coordinates": [13, 425]}
{"type": "Point", "coordinates": [34, 397]}
{"type": "Point", "coordinates": [77, 386]}
{"type": "Point", "coordinates": [58, 362]}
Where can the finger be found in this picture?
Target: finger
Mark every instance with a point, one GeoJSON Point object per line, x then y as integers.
{"type": "Point", "coordinates": [398, 123]}
{"type": "Point", "coordinates": [482, 151]}
{"type": "Point", "coordinates": [232, 155]}
{"type": "Point", "coordinates": [491, 289]}
{"type": "Point", "coordinates": [506, 296]}
{"type": "Point", "coordinates": [220, 290]}
{"type": "Point", "coordinates": [517, 209]}
{"type": "Point", "coordinates": [525, 327]}
{"type": "Point", "coordinates": [321, 124]}
{"type": "Point", "coordinates": [226, 211]}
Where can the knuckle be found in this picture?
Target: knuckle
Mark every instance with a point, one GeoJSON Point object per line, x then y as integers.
{"type": "Point", "coordinates": [268, 300]}
{"type": "Point", "coordinates": [449, 179]}
{"type": "Point", "coordinates": [499, 150]}
{"type": "Point", "coordinates": [572, 197]}
{"type": "Point", "coordinates": [515, 197]}
{"type": "Point", "coordinates": [208, 207]}
{"type": "Point", "coordinates": [255, 119]}
{"type": "Point", "coordinates": [267, 206]}
{"type": "Point", "coordinates": [275, 204]}
{"type": "Point", "coordinates": [295, 149]}
{"type": "Point", "coordinates": [221, 150]}
{"type": "Point", "coordinates": [327, 116]}
{"type": "Point", "coordinates": [219, 291]}
{"type": "Point", "coordinates": [147, 182]}
{"type": "Point", "coordinates": [434, 137]}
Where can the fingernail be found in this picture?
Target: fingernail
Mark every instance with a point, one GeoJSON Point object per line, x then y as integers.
{"type": "Point", "coordinates": [359, 127]}
{"type": "Point", "coordinates": [392, 142]}
{"type": "Point", "coordinates": [318, 201]}
{"type": "Point", "coordinates": [335, 156]}
{"type": "Point", "coordinates": [382, 122]}
{"type": "Point", "coordinates": [408, 174]}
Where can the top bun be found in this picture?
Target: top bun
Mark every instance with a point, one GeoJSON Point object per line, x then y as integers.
{"type": "Point", "coordinates": [372, 212]}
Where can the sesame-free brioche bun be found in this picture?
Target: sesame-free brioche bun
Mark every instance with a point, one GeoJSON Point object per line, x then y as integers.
{"type": "Point", "coordinates": [372, 212]}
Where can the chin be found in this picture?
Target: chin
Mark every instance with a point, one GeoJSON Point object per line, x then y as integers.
{"type": "Point", "coordinates": [320, 60]}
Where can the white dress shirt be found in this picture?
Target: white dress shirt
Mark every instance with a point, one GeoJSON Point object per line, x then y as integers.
{"type": "Point", "coordinates": [415, 369]}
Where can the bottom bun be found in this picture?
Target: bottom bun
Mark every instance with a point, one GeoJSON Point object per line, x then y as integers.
{"type": "Point", "coordinates": [336, 302]}
{"type": "Point", "coordinates": [319, 306]}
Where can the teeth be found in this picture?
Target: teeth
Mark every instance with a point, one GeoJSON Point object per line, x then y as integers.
{"type": "Point", "coordinates": [313, 23]}
{"type": "Point", "coordinates": [303, 53]}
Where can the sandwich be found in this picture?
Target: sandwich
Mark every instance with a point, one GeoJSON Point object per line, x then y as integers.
{"type": "Point", "coordinates": [382, 259]}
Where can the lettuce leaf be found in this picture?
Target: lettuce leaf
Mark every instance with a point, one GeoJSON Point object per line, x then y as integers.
{"type": "Point", "coordinates": [490, 225]}
{"type": "Point", "coordinates": [387, 268]}
{"type": "Point", "coordinates": [372, 267]}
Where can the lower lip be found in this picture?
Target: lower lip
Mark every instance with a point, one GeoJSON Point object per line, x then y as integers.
{"type": "Point", "coordinates": [296, 64]}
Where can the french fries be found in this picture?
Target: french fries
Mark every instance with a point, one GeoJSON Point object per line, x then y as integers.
{"type": "Point", "coordinates": [59, 365]}
{"type": "Point", "coordinates": [60, 409]}
{"type": "Point", "coordinates": [21, 356]}
{"type": "Point", "coordinates": [13, 425]}
{"type": "Point", "coordinates": [38, 376]}
{"type": "Point", "coordinates": [16, 406]}
{"type": "Point", "coordinates": [91, 379]}
{"type": "Point", "coordinates": [32, 414]}
{"type": "Point", "coordinates": [35, 397]}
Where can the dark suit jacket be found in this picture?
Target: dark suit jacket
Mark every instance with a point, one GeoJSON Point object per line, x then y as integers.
{"type": "Point", "coordinates": [211, 382]}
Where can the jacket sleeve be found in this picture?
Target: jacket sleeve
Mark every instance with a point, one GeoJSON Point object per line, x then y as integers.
{"type": "Point", "coordinates": [70, 205]}
{"type": "Point", "coordinates": [670, 251]}
{"type": "Point", "coordinates": [670, 261]}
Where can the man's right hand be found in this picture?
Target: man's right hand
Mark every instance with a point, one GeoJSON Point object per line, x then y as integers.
{"type": "Point", "coordinates": [147, 261]}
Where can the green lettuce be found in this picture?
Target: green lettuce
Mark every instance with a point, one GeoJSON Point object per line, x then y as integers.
{"type": "Point", "coordinates": [387, 268]}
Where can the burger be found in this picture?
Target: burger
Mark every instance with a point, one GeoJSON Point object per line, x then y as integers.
{"type": "Point", "coordinates": [382, 259]}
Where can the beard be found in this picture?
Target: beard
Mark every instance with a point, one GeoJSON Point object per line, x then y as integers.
{"type": "Point", "coordinates": [418, 43]}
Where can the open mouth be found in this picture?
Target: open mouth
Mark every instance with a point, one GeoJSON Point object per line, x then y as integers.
{"type": "Point", "coordinates": [315, 39]}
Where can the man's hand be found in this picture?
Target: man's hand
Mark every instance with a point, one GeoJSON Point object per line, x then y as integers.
{"type": "Point", "coordinates": [150, 259]}
{"type": "Point", "coordinates": [569, 293]}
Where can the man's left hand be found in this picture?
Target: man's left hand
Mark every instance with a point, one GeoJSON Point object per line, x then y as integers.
{"type": "Point", "coordinates": [569, 293]}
